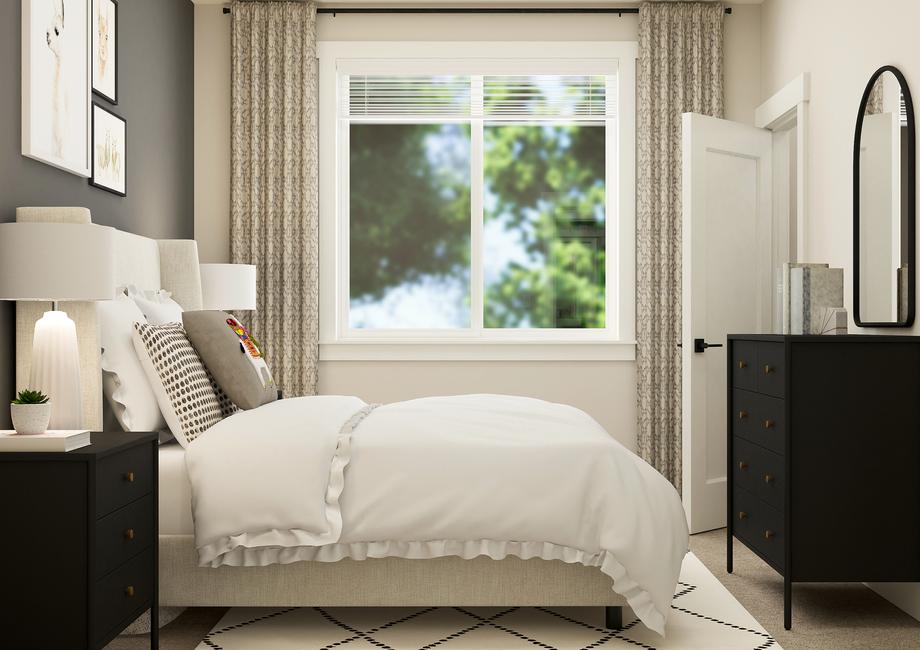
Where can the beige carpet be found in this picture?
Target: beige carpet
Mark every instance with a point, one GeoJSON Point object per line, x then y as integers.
{"type": "Point", "coordinates": [825, 616]}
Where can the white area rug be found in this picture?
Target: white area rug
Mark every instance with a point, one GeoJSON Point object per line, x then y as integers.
{"type": "Point", "coordinates": [705, 616]}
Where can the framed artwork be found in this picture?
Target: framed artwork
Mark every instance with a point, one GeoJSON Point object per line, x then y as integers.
{"type": "Point", "coordinates": [110, 133]}
{"type": "Point", "coordinates": [104, 43]}
{"type": "Point", "coordinates": [55, 83]}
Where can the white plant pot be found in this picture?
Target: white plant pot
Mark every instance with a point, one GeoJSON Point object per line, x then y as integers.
{"type": "Point", "coordinates": [30, 419]}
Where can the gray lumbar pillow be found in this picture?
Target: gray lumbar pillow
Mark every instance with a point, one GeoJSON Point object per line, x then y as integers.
{"type": "Point", "coordinates": [232, 356]}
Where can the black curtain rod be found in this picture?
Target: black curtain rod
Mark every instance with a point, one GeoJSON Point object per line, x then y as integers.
{"type": "Point", "coordinates": [477, 10]}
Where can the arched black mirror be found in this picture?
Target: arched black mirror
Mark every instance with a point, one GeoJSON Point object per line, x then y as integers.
{"type": "Point", "coordinates": [884, 199]}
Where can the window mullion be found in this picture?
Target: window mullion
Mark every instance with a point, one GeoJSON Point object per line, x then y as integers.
{"type": "Point", "coordinates": [477, 284]}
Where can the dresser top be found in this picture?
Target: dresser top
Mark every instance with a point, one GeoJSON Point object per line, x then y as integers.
{"type": "Point", "coordinates": [829, 338]}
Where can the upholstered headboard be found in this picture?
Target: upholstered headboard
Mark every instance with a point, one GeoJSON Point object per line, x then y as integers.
{"type": "Point", "coordinates": [170, 264]}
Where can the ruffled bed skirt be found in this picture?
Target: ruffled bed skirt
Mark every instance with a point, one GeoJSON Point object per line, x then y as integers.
{"type": "Point", "coordinates": [283, 552]}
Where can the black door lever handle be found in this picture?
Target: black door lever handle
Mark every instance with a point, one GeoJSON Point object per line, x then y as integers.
{"type": "Point", "coordinates": [700, 345]}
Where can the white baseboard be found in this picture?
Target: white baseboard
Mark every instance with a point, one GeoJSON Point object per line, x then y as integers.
{"type": "Point", "coordinates": [904, 595]}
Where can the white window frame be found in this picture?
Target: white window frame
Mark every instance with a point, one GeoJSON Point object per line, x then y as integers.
{"type": "Point", "coordinates": [338, 342]}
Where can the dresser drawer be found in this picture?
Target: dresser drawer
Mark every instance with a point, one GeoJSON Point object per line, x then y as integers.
{"type": "Point", "coordinates": [759, 526]}
{"type": "Point", "coordinates": [760, 419]}
{"type": "Point", "coordinates": [770, 478]}
{"type": "Point", "coordinates": [771, 369]}
{"type": "Point", "coordinates": [745, 504]}
{"type": "Point", "coordinates": [123, 534]}
{"type": "Point", "coordinates": [123, 477]}
{"type": "Point", "coordinates": [744, 362]}
{"type": "Point", "coordinates": [770, 425]}
{"type": "Point", "coordinates": [745, 457]}
{"type": "Point", "coordinates": [122, 593]}
{"type": "Point", "coordinates": [767, 534]}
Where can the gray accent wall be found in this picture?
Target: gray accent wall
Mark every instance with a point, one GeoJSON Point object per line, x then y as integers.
{"type": "Point", "coordinates": [155, 96]}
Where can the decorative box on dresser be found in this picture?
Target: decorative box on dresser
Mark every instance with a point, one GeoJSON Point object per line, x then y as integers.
{"type": "Point", "coordinates": [78, 548]}
{"type": "Point", "coordinates": [824, 456]}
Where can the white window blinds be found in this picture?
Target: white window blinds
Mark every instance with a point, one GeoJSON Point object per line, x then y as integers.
{"type": "Point", "coordinates": [492, 97]}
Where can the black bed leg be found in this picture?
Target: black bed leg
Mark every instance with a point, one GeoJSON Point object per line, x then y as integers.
{"type": "Point", "coordinates": [613, 618]}
{"type": "Point", "coordinates": [787, 603]}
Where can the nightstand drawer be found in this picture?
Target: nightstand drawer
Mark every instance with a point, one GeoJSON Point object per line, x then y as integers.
{"type": "Point", "coordinates": [123, 477]}
{"type": "Point", "coordinates": [771, 369]}
{"type": "Point", "coordinates": [123, 534]}
{"type": "Point", "coordinates": [126, 591]}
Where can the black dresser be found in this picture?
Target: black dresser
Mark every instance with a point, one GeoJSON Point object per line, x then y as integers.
{"type": "Point", "coordinates": [824, 456]}
{"type": "Point", "coordinates": [78, 542]}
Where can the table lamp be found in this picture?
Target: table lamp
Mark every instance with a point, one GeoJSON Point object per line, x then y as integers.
{"type": "Point", "coordinates": [57, 262]}
{"type": "Point", "coordinates": [228, 286]}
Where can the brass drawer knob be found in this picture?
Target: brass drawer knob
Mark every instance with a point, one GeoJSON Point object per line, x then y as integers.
{"type": "Point", "coordinates": [742, 465]}
{"type": "Point", "coordinates": [768, 424]}
{"type": "Point", "coordinates": [767, 478]}
{"type": "Point", "coordinates": [129, 591]}
{"type": "Point", "coordinates": [129, 477]}
{"type": "Point", "coordinates": [129, 534]}
{"type": "Point", "coordinates": [742, 415]}
{"type": "Point", "coordinates": [742, 365]}
{"type": "Point", "coordinates": [768, 534]}
{"type": "Point", "coordinates": [742, 515]}
{"type": "Point", "coordinates": [768, 369]}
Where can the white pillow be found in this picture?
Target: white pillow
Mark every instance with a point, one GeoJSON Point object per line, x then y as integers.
{"type": "Point", "coordinates": [124, 381]}
{"type": "Point", "coordinates": [189, 398]}
{"type": "Point", "coordinates": [157, 306]}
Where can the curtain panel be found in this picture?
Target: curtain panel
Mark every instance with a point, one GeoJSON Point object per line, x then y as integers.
{"type": "Point", "coordinates": [274, 195]}
{"type": "Point", "coordinates": [679, 70]}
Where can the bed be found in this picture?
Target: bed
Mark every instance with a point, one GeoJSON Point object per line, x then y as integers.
{"type": "Point", "coordinates": [374, 581]}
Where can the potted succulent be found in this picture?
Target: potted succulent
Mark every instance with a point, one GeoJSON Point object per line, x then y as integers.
{"type": "Point", "coordinates": [31, 412]}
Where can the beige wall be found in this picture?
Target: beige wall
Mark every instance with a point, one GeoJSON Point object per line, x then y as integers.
{"type": "Point", "coordinates": [840, 43]}
{"type": "Point", "coordinates": [606, 390]}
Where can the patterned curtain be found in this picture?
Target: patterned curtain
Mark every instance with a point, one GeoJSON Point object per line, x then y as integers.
{"type": "Point", "coordinates": [679, 71]}
{"type": "Point", "coordinates": [273, 196]}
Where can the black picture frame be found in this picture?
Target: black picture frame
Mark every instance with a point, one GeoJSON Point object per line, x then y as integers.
{"type": "Point", "coordinates": [92, 178]}
{"type": "Point", "coordinates": [908, 319]}
{"type": "Point", "coordinates": [114, 36]}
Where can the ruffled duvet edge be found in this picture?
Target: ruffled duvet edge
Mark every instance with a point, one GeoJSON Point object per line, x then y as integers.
{"type": "Point", "coordinates": [213, 554]}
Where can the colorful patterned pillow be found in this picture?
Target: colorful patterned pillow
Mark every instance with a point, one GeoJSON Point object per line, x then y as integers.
{"type": "Point", "coordinates": [231, 354]}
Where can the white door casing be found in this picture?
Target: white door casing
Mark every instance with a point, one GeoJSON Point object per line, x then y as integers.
{"type": "Point", "coordinates": [727, 261]}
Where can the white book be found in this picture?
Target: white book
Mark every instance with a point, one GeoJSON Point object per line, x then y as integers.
{"type": "Point", "coordinates": [49, 441]}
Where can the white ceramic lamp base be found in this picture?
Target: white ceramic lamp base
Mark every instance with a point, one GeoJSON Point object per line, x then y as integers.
{"type": "Point", "coordinates": [56, 369]}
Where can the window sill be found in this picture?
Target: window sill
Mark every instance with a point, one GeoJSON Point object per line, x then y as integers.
{"type": "Point", "coordinates": [478, 351]}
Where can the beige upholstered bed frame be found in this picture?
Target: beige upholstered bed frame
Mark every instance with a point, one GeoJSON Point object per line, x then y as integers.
{"type": "Point", "coordinates": [449, 581]}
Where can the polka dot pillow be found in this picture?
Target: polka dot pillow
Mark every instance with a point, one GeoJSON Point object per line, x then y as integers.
{"type": "Point", "coordinates": [189, 398]}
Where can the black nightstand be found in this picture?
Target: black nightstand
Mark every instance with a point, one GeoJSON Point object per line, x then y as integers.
{"type": "Point", "coordinates": [79, 544]}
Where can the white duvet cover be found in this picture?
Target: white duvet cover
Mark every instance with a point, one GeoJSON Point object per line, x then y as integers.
{"type": "Point", "coordinates": [323, 478]}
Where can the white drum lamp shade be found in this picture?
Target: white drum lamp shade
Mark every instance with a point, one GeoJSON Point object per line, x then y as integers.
{"type": "Point", "coordinates": [228, 286]}
{"type": "Point", "coordinates": [57, 262]}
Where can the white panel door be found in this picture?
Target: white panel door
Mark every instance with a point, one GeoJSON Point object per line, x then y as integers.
{"type": "Point", "coordinates": [727, 259]}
